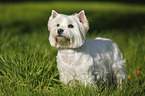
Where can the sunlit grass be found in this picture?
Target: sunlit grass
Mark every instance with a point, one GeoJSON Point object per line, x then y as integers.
{"type": "Point", "coordinates": [28, 66]}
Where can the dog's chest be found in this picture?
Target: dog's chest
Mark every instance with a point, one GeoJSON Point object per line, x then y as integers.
{"type": "Point", "coordinates": [69, 60]}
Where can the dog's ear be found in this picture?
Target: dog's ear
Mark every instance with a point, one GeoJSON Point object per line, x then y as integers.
{"type": "Point", "coordinates": [82, 18]}
{"type": "Point", "coordinates": [54, 14]}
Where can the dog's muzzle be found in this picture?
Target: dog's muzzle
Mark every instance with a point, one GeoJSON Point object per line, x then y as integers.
{"type": "Point", "coordinates": [61, 39]}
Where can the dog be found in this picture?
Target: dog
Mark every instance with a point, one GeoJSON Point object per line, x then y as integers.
{"type": "Point", "coordinates": [88, 61]}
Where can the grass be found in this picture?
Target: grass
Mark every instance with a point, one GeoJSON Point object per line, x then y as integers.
{"type": "Point", "coordinates": [28, 64]}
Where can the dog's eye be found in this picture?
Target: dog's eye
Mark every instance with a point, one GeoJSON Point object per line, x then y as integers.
{"type": "Point", "coordinates": [58, 25]}
{"type": "Point", "coordinates": [70, 26]}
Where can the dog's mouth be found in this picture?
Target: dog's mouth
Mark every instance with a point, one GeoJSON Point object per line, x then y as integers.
{"type": "Point", "coordinates": [62, 40]}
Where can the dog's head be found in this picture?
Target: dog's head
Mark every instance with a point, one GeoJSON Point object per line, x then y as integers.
{"type": "Point", "coordinates": [67, 31]}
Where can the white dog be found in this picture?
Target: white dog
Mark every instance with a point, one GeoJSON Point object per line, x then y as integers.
{"type": "Point", "coordinates": [88, 61]}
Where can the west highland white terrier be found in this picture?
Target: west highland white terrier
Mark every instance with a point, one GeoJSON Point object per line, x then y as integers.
{"type": "Point", "coordinates": [88, 61]}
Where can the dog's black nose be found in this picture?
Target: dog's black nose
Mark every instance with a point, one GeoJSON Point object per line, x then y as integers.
{"type": "Point", "coordinates": [59, 31]}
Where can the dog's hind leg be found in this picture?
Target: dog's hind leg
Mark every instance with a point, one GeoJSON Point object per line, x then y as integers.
{"type": "Point", "coordinates": [118, 66]}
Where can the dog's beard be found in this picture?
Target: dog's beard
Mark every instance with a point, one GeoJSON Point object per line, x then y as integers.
{"type": "Point", "coordinates": [62, 41]}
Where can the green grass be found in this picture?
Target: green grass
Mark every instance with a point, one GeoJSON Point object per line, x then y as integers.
{"type": "Point", "coordinates": [28, 64]}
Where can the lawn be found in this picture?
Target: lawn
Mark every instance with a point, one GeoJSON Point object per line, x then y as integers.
{"type": "Point", "coordinates": [28, 62]}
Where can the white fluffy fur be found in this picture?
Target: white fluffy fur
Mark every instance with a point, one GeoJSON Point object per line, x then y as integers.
{"type": "Point", "coordinates": [88, 61]}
